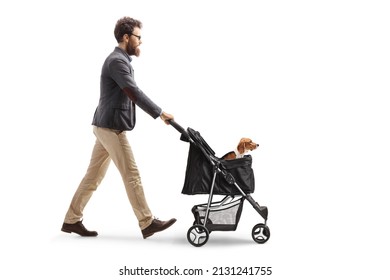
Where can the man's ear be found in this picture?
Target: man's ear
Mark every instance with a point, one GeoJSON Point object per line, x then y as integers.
{"type": "Point", "coordinates": [125, 38]}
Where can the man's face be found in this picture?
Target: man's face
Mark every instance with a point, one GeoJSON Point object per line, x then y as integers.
{"type": "Point", "coordinates": [134, 42]}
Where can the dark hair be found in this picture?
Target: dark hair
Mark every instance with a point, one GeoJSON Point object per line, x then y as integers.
{"type": "Point", "coordinates": [124, 26]}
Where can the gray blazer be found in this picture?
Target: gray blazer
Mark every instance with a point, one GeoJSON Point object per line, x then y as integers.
{"type": "Point", "coordinates": [119, 94]}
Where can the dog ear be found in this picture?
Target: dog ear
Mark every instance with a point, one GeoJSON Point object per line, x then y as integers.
{"type": "Point", "coordinates": [241, 146]}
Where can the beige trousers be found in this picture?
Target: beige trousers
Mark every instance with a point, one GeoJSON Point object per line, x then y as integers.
{"type": "Point", "coordinates": [111, 144]}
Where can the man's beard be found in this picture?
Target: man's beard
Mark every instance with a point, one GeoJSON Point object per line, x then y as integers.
{"type": "Point", "coordinates": [133, 51]}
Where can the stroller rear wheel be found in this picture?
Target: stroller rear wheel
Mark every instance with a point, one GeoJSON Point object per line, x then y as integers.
{"type": "Point", "coordinates": [260, 233]}
{"type": "Point", "coordinates": [197, 235]}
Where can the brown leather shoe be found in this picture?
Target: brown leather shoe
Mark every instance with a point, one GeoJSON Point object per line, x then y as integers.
{"type": "Point", "coordinates": [157, 226]}
{"type": "Point", "coordinates": [78, 228]}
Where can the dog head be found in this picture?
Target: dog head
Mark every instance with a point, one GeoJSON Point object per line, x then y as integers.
{"type": "Point", "coordinates": [246, 145]}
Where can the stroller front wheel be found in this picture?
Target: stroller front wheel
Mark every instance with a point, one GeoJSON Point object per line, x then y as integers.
{"type": "Point", "coordinates": [197, 235]}
{"type": "Point", "coordinates": [260, 233]}
{"type": "Point", "coordinates": [200, 222]}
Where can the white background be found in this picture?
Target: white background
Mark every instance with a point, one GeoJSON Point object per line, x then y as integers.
{"type": "Point", "coordinates": [307, 80]}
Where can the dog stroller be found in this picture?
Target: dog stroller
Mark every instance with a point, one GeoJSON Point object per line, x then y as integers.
{"type": "Point", "coordinates": [232, 179]}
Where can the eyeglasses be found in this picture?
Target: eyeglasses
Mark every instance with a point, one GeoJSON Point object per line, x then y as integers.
{"type": "Point", "coordinates": [138, 36]}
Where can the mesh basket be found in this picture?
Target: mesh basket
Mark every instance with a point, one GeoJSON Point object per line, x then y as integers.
{"type": "Point", "coordinates": [222, 216]}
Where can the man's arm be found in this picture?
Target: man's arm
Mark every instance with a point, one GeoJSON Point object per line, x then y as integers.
{"type": "Point", "coordinates": [120, 72]}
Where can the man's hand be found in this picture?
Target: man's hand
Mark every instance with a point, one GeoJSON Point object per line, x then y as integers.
{"type": "Point", "coordinates": [166, 117]}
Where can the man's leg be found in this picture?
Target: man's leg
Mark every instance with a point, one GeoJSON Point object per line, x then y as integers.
{"type": "Point", "coordinates": [96, 171]}
{"type": "Point", "coordinates": [119, 150]}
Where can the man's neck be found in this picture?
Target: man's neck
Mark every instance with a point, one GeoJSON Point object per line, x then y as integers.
{"type": "Point", "coordinates": [122, 46]}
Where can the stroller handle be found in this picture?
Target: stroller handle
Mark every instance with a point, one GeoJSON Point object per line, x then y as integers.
{"type": "Point", "coordinates": [176, 126]}
{"type": "Point", "coordinates": [179, 128]}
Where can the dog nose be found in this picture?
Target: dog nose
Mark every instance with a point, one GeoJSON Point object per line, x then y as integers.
{"type": "Point", "coordinates": [257, 145]}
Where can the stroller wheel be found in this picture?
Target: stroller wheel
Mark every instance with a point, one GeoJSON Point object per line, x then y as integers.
{"type": "Point", "coordinates": [197, 235]}
{"type": "Point", "coordinates": [260, 233]}
{"type": "Point", "coordinates": [200, 222]}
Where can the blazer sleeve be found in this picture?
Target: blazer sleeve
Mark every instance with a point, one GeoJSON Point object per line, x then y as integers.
{"type": "Point", "coordinates": [120, 72]}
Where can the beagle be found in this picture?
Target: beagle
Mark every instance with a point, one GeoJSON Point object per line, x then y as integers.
{"type": "Point", "coordinates": [243, 147]}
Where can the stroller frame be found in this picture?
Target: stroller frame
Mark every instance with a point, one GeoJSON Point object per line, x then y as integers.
{"type": "Point", "coordinates": [198, 233]}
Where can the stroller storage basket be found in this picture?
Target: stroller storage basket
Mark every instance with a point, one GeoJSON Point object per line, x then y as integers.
{"type": "Point", "coordinates": [221, 217]}
{"type": "Point", "coordinates": [199, 175]}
